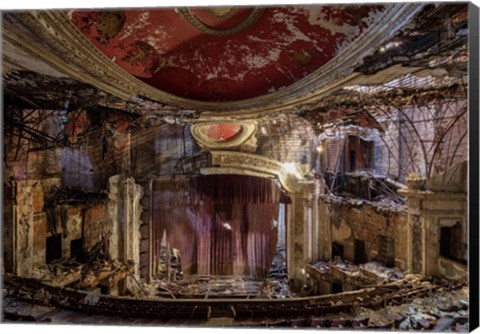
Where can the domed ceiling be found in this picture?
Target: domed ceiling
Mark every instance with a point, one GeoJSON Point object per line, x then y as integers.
{"type": "Point", "coordinates": [225, 53]}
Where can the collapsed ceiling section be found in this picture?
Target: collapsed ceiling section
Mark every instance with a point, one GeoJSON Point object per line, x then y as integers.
{"type": "Point", "coordinates": [424, 63]}
{"type": "Point", "coordinates": [141, 49]}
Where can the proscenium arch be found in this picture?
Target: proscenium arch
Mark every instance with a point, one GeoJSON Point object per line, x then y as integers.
{"type": "Point", "coordinates": [287, 176]}
{"type": "Point", "coordinates": [232, 162]}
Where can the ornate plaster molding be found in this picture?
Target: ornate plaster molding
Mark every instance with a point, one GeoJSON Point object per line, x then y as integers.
{"type": "Point", "coordinates": [245, 163]}
{"type": "Point", "coordinates": [245, 138]}
{"type": "Point", "coordinates": [232, 170]}
{"type": "Point", "coordinates": [53, 38]}
{"type": "Point", "coordinates": [193, 20]}
{"type": "Point", "coordinates": [223, 13]}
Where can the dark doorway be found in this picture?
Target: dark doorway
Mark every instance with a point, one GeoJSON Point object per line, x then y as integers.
{"type": "Point", "coordinates": [76, 247]}
{"type": "Point", "coordinates": [352, 160]}
{"type": "Point", "coordinates": [360, 252]}
{"type": "Point", "coordinates": [451, 245]}
{"type": "Point", "coordinates": [337, 250]}
{"type": "Point", "coordinates": [445, 240]}
{"type": "Point", "coordinates": [54, 248]}
{"type": "Point", "coordinates": [104, 290]}
{"type": "Point", "coordinates": [337, 287]}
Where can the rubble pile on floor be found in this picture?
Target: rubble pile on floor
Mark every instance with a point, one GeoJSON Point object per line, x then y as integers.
{"type": "Point", "coordinates": [278, 270]}
{"type": "Point", "coordinates": [170, 267]}
{"type": "Point", "coordinates": [357, 275]}
{"type": "Point", "coordinates": [440, 306]}
{"type": "Point", "coordinates": [204, 287]}
{"type": "Point", "coordinates": [87, 270]}
{"type": "Point", "coordinates": [171, 283]}
{"type": "Point", "coordinates": [429, 305]}
{"type": "Point", "coordinates": [382, 203]}
{"type": "Point", "coordinates": [383, 298]}
{"type": "Point", "coordinates": [381, 274]}
{"type": "Point", "coordinates": [444, 310]}
{"type": "Point", "coordinates": [410, 302]}
{"type": "Point", "coordinates": [351, 276]}
{"type": "Point", "coordinates": [276, 288]}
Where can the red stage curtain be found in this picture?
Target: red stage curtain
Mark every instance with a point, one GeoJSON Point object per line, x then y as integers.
{"type": "Point", "coordinates": [222, 225]}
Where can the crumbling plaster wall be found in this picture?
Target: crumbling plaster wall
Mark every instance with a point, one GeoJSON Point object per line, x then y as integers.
{"type": "Point", "coordinates": [31, 230]}
{"type": "Point", "coordinates": [146, 242]}
{"type": "Point", "coordinates": [428, 213]}
{"type": "Point", "coordinates": [8, 227]}
{"type": "Point", "coordinates": [155, 153]}
{"type": "Point", "coordinates": [80, 168]}
{"type": "Point", "coordinates": [435, 203]}
{"type": "Point", "coordinates": [133, 211]}
{"type": "Point", "coordinates": [124, 212]}
{"type": "Point", "coordinates": [86, 166]}
{"type": "Point", "coordinates": [331, 157]}
{"type": "Point", "coordinates": [343, 223]}
{"type": "Point", "coordinates": [88, 149]}
{"type": "Point", "coordinates": [297, 233]}
{"type": "Point", "coordinates": [29, 224]}
{"type": "Point", "coordinates": [425, 139]}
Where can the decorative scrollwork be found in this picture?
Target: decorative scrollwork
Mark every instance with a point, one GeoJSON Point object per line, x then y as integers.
{"type": "Point", "coordinates": [256, 163]}
{"type": "Point", "coordinates": [223, 13]}
{"type": "Point", "coordinates": [193, 20]}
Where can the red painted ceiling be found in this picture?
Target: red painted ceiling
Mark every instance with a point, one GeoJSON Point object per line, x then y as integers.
{"type": "Point", "coordinates": [162, 48]}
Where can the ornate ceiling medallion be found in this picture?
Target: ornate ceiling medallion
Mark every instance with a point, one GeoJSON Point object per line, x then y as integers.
{"type": "Point", "coordinates": [254, 15]}
{"type": "Point", "coordinates": [223, 13]}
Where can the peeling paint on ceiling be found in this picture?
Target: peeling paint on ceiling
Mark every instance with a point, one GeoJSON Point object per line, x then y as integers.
{"type": "Point", "coordinates": [165, 50]}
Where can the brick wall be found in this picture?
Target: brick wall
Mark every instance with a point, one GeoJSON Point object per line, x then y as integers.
{"type": "Point", "coordinates": [366, 223]}
{"type": "Point", "coordinates": [289, 139]}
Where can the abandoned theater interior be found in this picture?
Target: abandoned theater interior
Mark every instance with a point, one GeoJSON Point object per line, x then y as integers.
{"type": "Point", "coordinates": [278, 166]}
